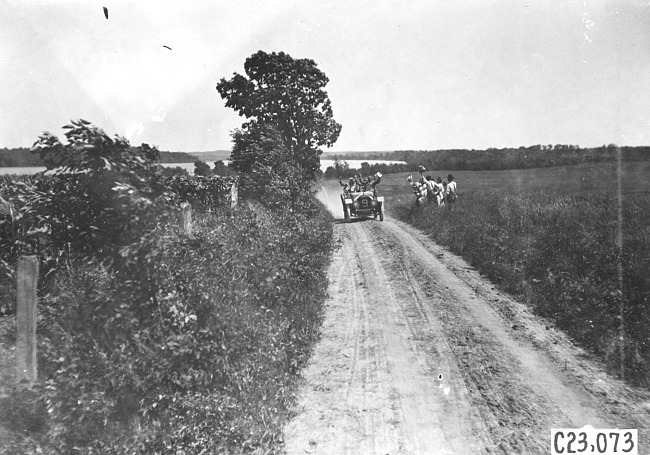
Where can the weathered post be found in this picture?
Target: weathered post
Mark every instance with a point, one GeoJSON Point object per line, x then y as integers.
{"type": "Point", "coordinates": [186, 216]}
{"type": "Point", "coordinates": [234, 198]}
{"type": "Point", "coordinates": [26, 315]}
{"type": "Point", "coordinates": [234, 195]}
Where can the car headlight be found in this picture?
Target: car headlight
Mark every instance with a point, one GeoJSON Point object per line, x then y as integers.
{"type": "Point", "coordinates": [356, 204]}
{"type": "Point", "coordinates": [373, 203]}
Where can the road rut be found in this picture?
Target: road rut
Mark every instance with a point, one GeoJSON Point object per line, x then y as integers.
{"type": "Point", "coordinates": [419, 354]}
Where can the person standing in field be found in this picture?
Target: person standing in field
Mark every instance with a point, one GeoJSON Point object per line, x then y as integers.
{"type": "Point", "coordinates": [450, 191]}
{"type": "Point", "coordinates": [419, 188]}
{"type": "Point", "coordinates": [437, 191]}
{"type": "Point", "coordinates": [443, 192]}
{"type": "Point", "coordinates": [431, 187]}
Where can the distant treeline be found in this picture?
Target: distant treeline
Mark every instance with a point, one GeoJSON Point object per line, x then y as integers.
{"type": "Point", "coordinates": [19, 157]}
{"type": "Point", "coordinates": [177, 157]}
{"type": "Point", "coordinates": [508, 158]}
{"type": "Point", "coordinates": [22, 157]}
{"type": "Point", "coordinates": [215, 155]}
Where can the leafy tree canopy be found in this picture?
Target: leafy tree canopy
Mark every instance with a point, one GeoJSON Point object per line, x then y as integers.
{"type": "Point", "coordinates": [220, 168]}
{"type": "Point", "coordinates": [97, 197]}
{"type": "Point", "coordinates": [255, 146]}
{"type": "Point", "coordinates": [201, 168]}
{"type": "Point", "coordinates": [260, 152]}
{"type": "Point", "coordinates": [289, 95]}
{"type": "Point", "coordinates": [90, 149]}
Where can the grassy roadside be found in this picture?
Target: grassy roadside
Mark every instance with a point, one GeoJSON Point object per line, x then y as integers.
{"type": "Point", "coordinates": [557, 253]}
{"type": "Point", "coordinates": [206, 365]}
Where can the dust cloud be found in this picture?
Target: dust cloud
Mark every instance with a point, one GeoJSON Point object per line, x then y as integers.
{"type": "Point", "coordinates": [331, 198]}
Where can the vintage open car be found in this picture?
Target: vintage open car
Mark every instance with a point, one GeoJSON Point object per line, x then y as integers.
{"type": "Point", "coordinates": [363, 204]}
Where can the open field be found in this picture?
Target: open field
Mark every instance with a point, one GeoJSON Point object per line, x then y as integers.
{"type": "Point", "coordinates": [573, 180]}
{"type": "Point", "coordinates": [549, 238]}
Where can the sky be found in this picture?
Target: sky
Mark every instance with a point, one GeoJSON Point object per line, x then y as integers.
{"type": "Point", "coordinates": [404, 75]}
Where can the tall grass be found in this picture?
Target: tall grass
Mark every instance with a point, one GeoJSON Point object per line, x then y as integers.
{"type": "Point", "coordinates": [558, 253]}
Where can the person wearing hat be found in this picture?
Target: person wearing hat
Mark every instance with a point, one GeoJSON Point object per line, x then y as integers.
{"type": "Point", "coordinates": [431, 189]}
{"type": "Point", "coordinates": [349, 187]}
{"type": "Point", "coordinates": [419, 189]}
{"type": "Point", "coordinates": [450, 191]}
{"type": "Point", "coordinates": [371, 182]}
{"type": "Point", "coordinates": [437, 191]}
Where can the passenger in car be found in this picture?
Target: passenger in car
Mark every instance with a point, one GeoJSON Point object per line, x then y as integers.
{"type": "Point", "coordinates": [350, 187]}
{"type": "Point", "coordinates": [371, 183]}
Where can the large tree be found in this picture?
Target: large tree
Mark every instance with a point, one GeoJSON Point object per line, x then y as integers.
{"type": "Point", "coordinates": [287, 94]}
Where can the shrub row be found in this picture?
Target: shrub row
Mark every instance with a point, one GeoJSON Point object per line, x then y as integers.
{"type": "Point", "coordinates": [206, 363]}
{"type": "Point", "coordinates": [150, 340]}
{"type": "Point", "coordinates": [558, 254]}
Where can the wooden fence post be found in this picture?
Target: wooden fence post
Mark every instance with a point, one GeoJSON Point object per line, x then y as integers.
{"type": "Point", "coordinates": [26, 316]}
{"type": "Point", "coordinates": [186, 216]}
{"type": "Point", "coordinates": [234, 195]}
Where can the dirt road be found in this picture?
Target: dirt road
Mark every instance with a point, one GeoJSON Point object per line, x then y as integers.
{"type": "Point", "coordinates": [420, 355]}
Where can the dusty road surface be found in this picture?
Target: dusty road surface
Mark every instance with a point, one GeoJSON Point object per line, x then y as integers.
{"type": "Point", "coordinates": [421, 355]}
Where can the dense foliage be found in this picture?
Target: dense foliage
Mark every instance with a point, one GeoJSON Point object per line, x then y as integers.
{"type": "Point", "coordinates": [152, 340]}
{"type": "Point", "coordinates": [102, 194]}
{"type": "Point", "coordinates": [204, 192]}
{"type": "Point", "coordinates": [220, 168]}
{"type": "Point", "coordinates": [288, 95]}
{"type": "Point", "coordinates": [267, 172]}
{"type": "Point", "coordinates": [558, 253]}
{"type": "Point", "coordinates": [207, 362]}
{"type": "Point", "coordinates": [201, 168]}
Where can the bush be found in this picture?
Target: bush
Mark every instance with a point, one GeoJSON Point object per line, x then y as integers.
{"type": "Point", "coordinates": [103, 194]}
{"type": "Point", "coordinates": [193, 342]}
{"type": "Point", "coordinates": [204, 193]}
{"type": "Point", "coordinates": [154, 341]}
